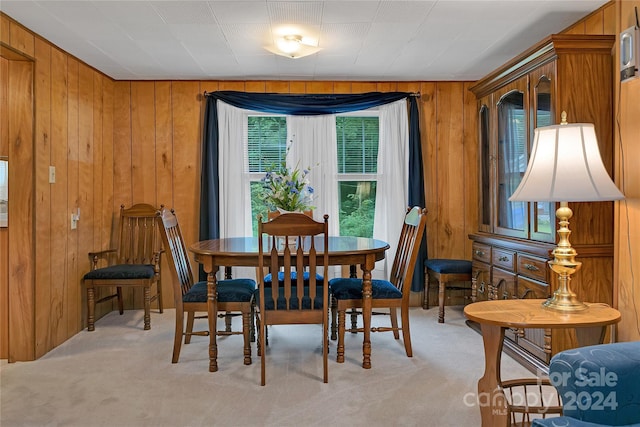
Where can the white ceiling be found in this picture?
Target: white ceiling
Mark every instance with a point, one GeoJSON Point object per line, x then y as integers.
{"type": "Point", "coordinates": [361, 39]}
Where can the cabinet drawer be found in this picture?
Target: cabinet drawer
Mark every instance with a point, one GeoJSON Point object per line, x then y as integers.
{"type": "Point", "coordinates": [532, 289]}
{"type": "Point", "coordinates": [532, 267]}
{"type": "Point", "coordinates": [503, 259]}
{"type": "Point", "coordinates": [503, 284]}
{"type": "Point", "coordinates": [482, 252]}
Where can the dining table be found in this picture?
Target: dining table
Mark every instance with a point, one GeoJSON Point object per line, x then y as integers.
{"type": "Point", "coordinates": [243, 252]}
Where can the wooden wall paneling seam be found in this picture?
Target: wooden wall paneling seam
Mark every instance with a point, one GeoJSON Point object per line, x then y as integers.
{"type": "Point", "coordinates": [74, 306]}
{"type": "Point", "coordinates": [59, 200]}
{"type": "Point", "coordinates": [429, 135]}
{"type": "Point", "coordinates": [94, 157]}
{"type": "Point", "coordinates": [108, 208]}
{"type": "Point", "coordinates": [42, 156]}
{"type": "Point", "coordinates": [86, 167]}
{"type": "Point", "coordinates": [164, 168]}
{"type": "Point", "coordinates": [4, 232]}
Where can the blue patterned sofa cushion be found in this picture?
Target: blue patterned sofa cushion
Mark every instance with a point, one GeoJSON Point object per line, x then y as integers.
{"type": "Point", "coordinates": [294, 302]}
{"type": "Point", "coordinates": [231, 290]}
{"type": "Point", "coordinates": [598, 385]}
{"type": "Point", "coordinates": [572, 422]}
{"type": "Point", "coordinates": [122, 272]}
{"type": "Point", "coordinates": [349, 288]}
{"type": "Point", "coordinates": [449, 266]}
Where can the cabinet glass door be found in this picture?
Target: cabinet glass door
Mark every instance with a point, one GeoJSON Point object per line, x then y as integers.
{"type": "Point", "coordinates": [485, 170]}
{"type": "Point", "coordinates": [511, 163]}
{"type": "Point", "coordinates": [542, 213]}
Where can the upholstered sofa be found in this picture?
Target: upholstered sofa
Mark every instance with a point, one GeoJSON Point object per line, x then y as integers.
{"type": "Point", "coordinates": [599, 386]}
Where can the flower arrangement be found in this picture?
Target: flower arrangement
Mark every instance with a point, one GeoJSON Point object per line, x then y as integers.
{"type": "Point", "coordinates": [287, 189]}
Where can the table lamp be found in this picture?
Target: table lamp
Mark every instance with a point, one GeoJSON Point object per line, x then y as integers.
{"type": "Point", "coordinates": [565, 166]}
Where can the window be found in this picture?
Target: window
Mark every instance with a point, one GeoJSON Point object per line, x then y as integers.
{"type": "Point", "coordinates": [357, 158]}
{"type": "Point", "coordinates": [266, 145]}
{"type": "Point", "coordinates": [357, 139]}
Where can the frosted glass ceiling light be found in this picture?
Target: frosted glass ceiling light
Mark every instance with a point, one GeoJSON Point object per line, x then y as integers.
{"type": "Point", "coordinates": [294, 46]}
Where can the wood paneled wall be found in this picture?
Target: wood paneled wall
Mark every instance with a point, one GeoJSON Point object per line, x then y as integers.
{"type": "Point", "coordinates": [70, 126]}
{"type": "Point", "coordinates": [121, 142]}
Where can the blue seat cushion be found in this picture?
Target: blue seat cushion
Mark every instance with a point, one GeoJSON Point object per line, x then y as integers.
{"type": "Point", "coordinates": [122, 272]}
{"type": "Point", "coordinates": [294, 276]}
{"type": "Point", "coordinates": [351, 288]}
{"type": "Point", "coordinates": [294, 302]}
{"type": "Point", "coordinates": [449, 266]}
{"type": "Point", "coordinates": [232, 290]}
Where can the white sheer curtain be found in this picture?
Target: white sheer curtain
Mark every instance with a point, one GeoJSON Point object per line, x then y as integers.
{"type": "Point", "coordinates": [313, 144]}
{"type": "Point", "coordinates": [235, 194]}
{"type": "Point", "coordinates": [392, 193]}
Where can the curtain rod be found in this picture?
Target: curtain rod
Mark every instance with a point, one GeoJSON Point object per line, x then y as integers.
{"type": "Point", "coordinates": [412, 94]}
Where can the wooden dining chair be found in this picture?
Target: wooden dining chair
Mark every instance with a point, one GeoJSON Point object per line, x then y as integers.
{"type": "Point", "coordinates": [234, 295]}
{"type": "Point", "coordinates": [394, 293]}
{"type": "Point", "coordinates": [291, 301]}
{"type": "Point", "coordinates": [135, 263]}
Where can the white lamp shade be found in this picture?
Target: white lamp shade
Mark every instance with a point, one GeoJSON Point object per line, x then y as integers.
{"type": "Point", "coordinates": [565, 166]}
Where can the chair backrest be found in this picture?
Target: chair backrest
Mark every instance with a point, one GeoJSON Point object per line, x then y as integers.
{"type": "Point", "coordinates": [289, 243]}
{"type": "Point", "coordinates": [176, 252]}
{"type": "Point", "coordinates": [408, 247]}
{"type": "Point", "coordinates": [139, 240]}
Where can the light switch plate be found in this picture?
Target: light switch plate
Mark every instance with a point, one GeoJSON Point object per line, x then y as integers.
{"type": "Point", "coordinates": [52, 174]}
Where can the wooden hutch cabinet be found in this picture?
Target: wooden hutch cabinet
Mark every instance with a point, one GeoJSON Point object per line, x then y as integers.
{"type": "Point", "coordinates": [571, 73]}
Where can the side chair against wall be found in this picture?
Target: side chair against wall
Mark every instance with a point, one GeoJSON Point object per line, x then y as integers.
{"type": "Point", "coordinates": [234, 295]}
{"type": "Point", "coordinates": [392, 294]}
{"type": "Point", "coordinates": [135, 263]}
{"type": "Point", "coordinates": [445, 272]}
{"type": "Point", "coordinates": [292, 301]}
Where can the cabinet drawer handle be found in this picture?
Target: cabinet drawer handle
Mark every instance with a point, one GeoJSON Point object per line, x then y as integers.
{"type": "Point", "coordinates": [531, 267]}
{"type": "Point", "coordinates": [503, 258]}
{"type": "Point", "coordinates": [479, 252]}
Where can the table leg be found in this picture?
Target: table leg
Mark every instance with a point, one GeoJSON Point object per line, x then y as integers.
{"type": "Point", "coordinates": [491, 398]}
{"type": "Point", "coordinates": [212, 313]}
{"type": "Point", "coordinates": [366, 311]}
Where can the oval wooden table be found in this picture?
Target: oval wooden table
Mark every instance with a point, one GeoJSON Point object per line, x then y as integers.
{"type": "Point", "coordinates": [243, 252]}
{"type": "Point", "coordinates": [497, 315]}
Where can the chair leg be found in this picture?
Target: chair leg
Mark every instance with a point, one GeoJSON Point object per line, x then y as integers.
{"type": "Point", "coordinates": [441, 290]}
{"type": "Point", "coordinates": [394, 322]}
{"type": "Point", "coordinates": [253, 322]}
{"type": "Point", "coordinates": [325, 351]}
{"type": "Point", "coordinates": [425, 300]}
{"type": "Point", "coordinates": [147, 308]}
{"type": "Point", "coordinates": [334, 320]}
{"type": "Point", "coordinates": [177, 338]}
{"type": "Point", "coordinates": [160, 303]}
{"type": "Point", "coordinates": [341, 328]}
{"type": "Point", "coordinates": [120, 300]}
{"type": "Point", "coordinates": [262, 338]}
{"type": "Point", "coordinates": [406, 334]}
{"type": "Point", "coordinates": [354, 321]}
{"type": "Point", "coordinates": [91, 308]}
{"type": "Point", "coordinates": [190, 318]}
{"type": "Point", "coordinates": [246, 335]}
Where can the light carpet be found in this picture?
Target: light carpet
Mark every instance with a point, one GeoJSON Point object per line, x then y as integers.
{"type": "Point", "coordinates": [121, 375]}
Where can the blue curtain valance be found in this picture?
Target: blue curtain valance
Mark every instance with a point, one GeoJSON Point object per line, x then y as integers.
{"type": "Point", "coordinates": [306, 105]}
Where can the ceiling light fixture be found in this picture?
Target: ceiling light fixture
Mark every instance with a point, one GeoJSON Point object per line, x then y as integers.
{"type": "Point", "coordinates": [294, 46]}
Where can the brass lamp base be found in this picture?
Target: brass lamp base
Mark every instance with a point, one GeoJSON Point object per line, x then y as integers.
{"type": "Point", "coordinates": [564, 264]}
{"type": "Point", "coordinates": [564, 302]}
